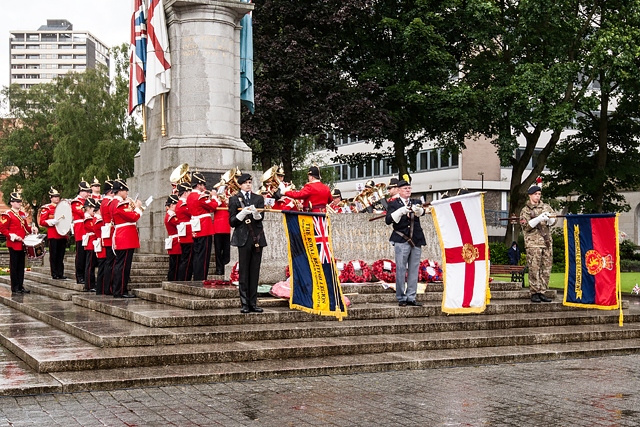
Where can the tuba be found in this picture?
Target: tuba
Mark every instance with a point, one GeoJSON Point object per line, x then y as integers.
{"type": "Point", "coordinates": [180, 175]}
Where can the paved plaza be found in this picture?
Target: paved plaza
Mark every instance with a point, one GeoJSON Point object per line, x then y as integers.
{"type": "Point", "coordinates": [602, 391]}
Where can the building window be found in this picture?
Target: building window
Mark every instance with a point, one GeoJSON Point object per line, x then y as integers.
{"type": "Point", "coordinates": [79, 56]}
{"type": "Point", "coordinates": [79, 66]}
{"type": "Point", "coordinates": [65, 56]}
{"type": "Point", "coordinates": [33, 46]}
{"type": "Point", "coordinates": [33, 37]}
{"type": "Point", "coordinates": [376, 168]}
{"type": "Point", "coordinates": [64, 46]}
{"type": "Point", "coordinates": [33, 56]}
{"type": "Point", "coordinates": [433, 159]}
{"type": "Point", "coordinates": [18, 56]}
{"type": "Point", "coordinates": [423, 160]}
{"type": "Point", "coordinates": [17, 46]}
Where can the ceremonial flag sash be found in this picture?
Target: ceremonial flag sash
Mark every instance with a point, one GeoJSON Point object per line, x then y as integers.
{"type": "Point", "coordinates": [462, 233]}
{"type": "Point", "coordinates": [592, 267]}
{"type": "Point", "coordinates": [315, 287]}
{"type": "Point", "coordinates": [158, 57]}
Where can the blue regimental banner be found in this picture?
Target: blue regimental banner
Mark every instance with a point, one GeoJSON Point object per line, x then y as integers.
{"type": "Point", "coordinates": [315, 287]}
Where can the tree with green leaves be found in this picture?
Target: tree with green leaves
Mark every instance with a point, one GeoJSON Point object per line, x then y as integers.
{"type": "Point", "coordinates": [527, 70]}
{"type": "Point", "coordinates": [76, 126]}
{"type": "Point", "coordinates": [299, 88]}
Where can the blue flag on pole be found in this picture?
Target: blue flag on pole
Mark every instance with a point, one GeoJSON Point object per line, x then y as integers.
{"type": "Point", "coordinates": [315, 287]}
{"type": "Point", "coordinates": [246, 61]}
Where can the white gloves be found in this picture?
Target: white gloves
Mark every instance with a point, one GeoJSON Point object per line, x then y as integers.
{"type": "Point", "coordinates": [544, 216]}
{"type": "Point", "coordinates": [535, 221]}
{"type": "Point", "coordinates": [254, 212]}
{"type": "Point", "coordinates": [14, 237]}
{"type": "Point", "coordinates": [243, 213]}
{"type": "Point", "coordinates": [397, 214]}
{"type": "Point", "coordinates": [282, 187]}
{"type": "Point", "coordinates": [417, 209]}
{"type": "Point", "coordinates": [52, 222]}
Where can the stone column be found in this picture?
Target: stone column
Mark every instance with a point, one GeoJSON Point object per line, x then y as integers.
{"type": "Point", "coordinates": [202, 108]}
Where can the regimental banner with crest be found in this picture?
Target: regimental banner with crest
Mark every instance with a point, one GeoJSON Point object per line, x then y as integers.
{"type": "Point", "coordinates": [462, 232]}
{"type": "Point", "coordinates": [315, 287]}
{"type": "Point", "coordinates": [592, 278]}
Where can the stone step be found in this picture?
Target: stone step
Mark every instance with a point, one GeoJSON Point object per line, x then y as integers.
{"type": "Point", "coordinates": [45, 278]}
{"type": "Point", "coordinates": [106, 331]}
{"type": "Point", "coordinates": [136, 269]}
{"type": "Point", "coordinates": [156, 376]}
{"type": "Point", "coordinates": [378, 287]}
{"type": "Point", "coordinates": [137, 257]}
{"type": "Point", "coordinates": [36, 351]}
{"type": "Point", "coordinates": [157, 315]}
{"type": "Point", "coordinates": [194, 302]}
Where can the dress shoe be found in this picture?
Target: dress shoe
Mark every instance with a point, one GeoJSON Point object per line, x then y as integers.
{"type": "Point", "coordinates": [535, 298]}
{"type": "Point", "coordinates": [24, 291]}
{"type": "Point", "coordinates": [543, 298]}
{"type": "Point", "coordinates": [63, 278]}
{"type": "Point", "coordinates": [414, 303]}
{"type": "Point", "coordinates": [92, 290]}
{"type": "Point", "coordinates": [128, 296]}
{"type": "Point", "coordinates": [402, 303]}
{"type": "Point", "coordinates": [256, 309]}
{"type": "Point", "coordinates": [245, 310]}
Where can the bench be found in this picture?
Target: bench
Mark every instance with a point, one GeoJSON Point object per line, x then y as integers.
{"type": "Point", "coordinates": [516, 271]}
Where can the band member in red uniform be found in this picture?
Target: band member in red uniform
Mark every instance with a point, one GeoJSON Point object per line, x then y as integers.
{"type": "Point", "coordinates": [77, 210]}
{"type": "Point", "coordinates": [221, 236]}
{"type": "Point", "coordinates": [13, 224]}
{"type": "Point", "coordinates": [201, 206]}
{"type": "Point", "coordinates": [57, 242]}
{"type": "Point", "coordinates": [315, 195]}
{"type": "Point", "coordinates": [95, 189]}
{"type": "Point", "coordinates": [105, 268]}
{"type": "Point", "coordinates": [88, 241]}
{"type": "Point", "coordinates": [125, 213]}
{"type": "Point", "coordinates": [98, 248]}
{"type": "Point", "coordinates": [172, 245]}
{"type": "Point", "coordinates": [185, 235]}
{"type": "Point", "coordinates": [248, 237]}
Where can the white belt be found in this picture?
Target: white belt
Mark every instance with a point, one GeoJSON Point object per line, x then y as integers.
{"type": "Point", "coordinates": [173, 236]}
{"type": "Point", "coordinates": [124, 224]}
{"type": "Point", "coordinates": [78, 221]}
{"type": "Point", "coordinates": [90, 234]}
{"type": "Point", "coordinates": [202, 216]}
{"type": "Point", "coordinates": [186, 223]}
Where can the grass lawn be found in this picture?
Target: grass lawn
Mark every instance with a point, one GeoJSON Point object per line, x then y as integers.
{"type": "Point", "coordinates": [627, 281]}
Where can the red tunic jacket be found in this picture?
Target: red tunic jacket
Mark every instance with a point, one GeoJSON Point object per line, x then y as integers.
{"type": "Point", "coordinates": [47, 212]}
{"type": "Point", "coordinates": [184, 216]}
{"type": "Point", "coordinates": [89, 229]}
{"type": "Point", "coordinates": [315, 196]}
{"type": "Point", "coordinates": [201, 206]}
{"type": "Point", "coordinates": [105, 212]}
{"type": "Point", "coordinates": [171, 224]}
{"type": "Point", "coordinates": [78, 217]}
{"type": "Point", "coordinates": [221, 220]}
{"type": "Point", "coordinates": [97, 229]}
{"type": "Point", "coordinates": [124, 220]}
{"type": "Point", "coordinates": [12, 222]}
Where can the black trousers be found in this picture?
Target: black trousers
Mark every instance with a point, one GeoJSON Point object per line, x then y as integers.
{"type": "Point", "coordinates": [249, 271]}
{"type": "Point", "coordinates": [81, 258]}
{"type": "Point", "coordinates": [16, 269]}
{"type": "Point", "coordinates": [90, 265]}
{"type": "Point", "coordinates": [122, 271]}
{"type": "Point", "coordinates": [201, 257]}
{"type": "Point", "coordinates": [100, 289]}
{"type": "Point", "coordinates": [174, 263]}
{"type": "Point", "coordinates": [185, 269]}
{"type": "Point", "coordinates": [104, 284]}
{"type": "Point", "coordinates": [222, 249]}
{"type": "Point", "coordinates": [57, 248]}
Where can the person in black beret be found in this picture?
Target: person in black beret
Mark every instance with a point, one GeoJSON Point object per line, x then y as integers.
{"type": "Point", "coordinates": [248, 237]}
{"type": "Point", "coordinates": [407, 239]}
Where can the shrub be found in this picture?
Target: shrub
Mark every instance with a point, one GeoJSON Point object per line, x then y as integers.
{"type": "Point", "coordinates": [628, 250]}
{"type": "Point", "coordinates": [498, 253]}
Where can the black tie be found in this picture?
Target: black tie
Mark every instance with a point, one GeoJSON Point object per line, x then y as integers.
{"type": "Point", "coordinates": [247, 199]}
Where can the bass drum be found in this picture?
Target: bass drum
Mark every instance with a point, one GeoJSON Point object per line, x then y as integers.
{"type": "Point", "coordinates": [34, 246]}
{"type": "Point", "coordinates": [64, 216]}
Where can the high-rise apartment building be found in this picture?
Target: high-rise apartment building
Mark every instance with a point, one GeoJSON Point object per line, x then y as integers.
{"type": "Point", "coordinates": [54, 49]}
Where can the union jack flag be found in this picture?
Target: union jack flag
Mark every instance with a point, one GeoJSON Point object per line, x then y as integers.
{"type": "Point", "coordinates": [138, 57]}
{"type": "Point", "coordinates": [322, 239]}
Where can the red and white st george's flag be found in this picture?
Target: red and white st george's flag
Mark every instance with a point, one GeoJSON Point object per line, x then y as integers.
{"type": "Point", "coordinates": [465, 252]}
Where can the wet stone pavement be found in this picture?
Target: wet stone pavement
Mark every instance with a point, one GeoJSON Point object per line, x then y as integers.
{"type": "Point", "coordinates": [601, 391]}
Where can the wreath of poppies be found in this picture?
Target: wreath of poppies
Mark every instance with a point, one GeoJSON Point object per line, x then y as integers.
{"type": "Point", "coordinates": [234, 277]}
{"type": "Point", "coordinates": [349, 275]}
{"type": "Point", "coordinates": [214, 283]}
{"type": "Point", "coordinates": [387, 276]}
{"type": "Point", "coordinates": [430, 271]}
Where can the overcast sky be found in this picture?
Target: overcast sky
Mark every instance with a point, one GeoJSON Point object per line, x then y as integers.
{"type": "Point", "coordinates": [108, 20]}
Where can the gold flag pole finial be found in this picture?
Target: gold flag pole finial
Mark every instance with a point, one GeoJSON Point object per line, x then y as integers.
{"type": "Point", "coordinates": [163, 129]}
{"type": "Point", "coordinates": [144, 123]}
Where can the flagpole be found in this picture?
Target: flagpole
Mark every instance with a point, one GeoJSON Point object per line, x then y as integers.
{"type": "Point", "coordinates": [144, 123]}
{"type": "Point", "coordinates": [163, 128]}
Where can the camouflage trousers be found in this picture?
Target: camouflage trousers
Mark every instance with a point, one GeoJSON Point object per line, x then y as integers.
{"type": "Point", "coordinates": [539, 262]}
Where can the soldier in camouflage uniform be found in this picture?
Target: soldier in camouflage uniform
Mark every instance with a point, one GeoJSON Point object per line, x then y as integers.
{"type": "Point", "coordinates": [536, 221]}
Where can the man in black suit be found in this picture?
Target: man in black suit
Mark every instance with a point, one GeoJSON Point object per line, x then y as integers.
{"type": "Point", "coordinates": [248, 236]}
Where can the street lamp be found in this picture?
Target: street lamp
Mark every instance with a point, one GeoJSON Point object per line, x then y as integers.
{"type": "Point", "coordinates": [482, 178]}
